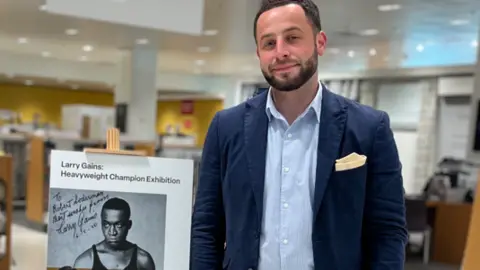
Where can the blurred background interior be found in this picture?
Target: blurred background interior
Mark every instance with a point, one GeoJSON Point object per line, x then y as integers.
{"type": "Point", "coordinates": [159, 70]}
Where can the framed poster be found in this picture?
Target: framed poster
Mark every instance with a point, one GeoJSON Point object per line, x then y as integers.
{"type": "Point", "coordinates": [119, 212]}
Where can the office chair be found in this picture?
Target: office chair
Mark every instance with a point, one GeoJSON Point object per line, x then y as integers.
{"type": "Point", "coordinates": [417, 222]}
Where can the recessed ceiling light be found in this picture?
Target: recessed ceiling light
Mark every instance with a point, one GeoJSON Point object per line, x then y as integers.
{"type": "Point", "coordinates": [369, 32]}
{"type": "Point", "coordinates": [43, 7]}
{"type": "Point", "coordinates": [22, 40]}
{"type": "Point", "coordinates": [211, 32]}
{"type": "Point", "coordinates": [87, 48]}
{"type": "Point", "coordinates": [420, 48]}
{"type": "Point", "coordinates": [28, 82]}
{"type": "Point", "coordinates": [71, 32]}
{"type": "Point", "coordinates": [142, 41]}
{"type": "Point", "coordinates": [474, 43]}
{"type": "Point", "coordinates": [459, 22]}
{"type": "Point", "coordinates": [372, 52]}
{"type": "Point", "coordinates": [83, 58]}
{"type": "Point", "coordinates": [200, 62]}
{"type": "Point", "coordinates": [203, 49]}
{"type": "Point", "coordinates": [391, 7]}
{"type": "Point", "coordinates": [351, 53]}
{"type": "Point", "coordinates": [46, 54]}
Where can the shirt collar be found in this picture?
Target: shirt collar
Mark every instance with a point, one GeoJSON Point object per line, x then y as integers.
{"type": "Point", "coordinates": [315, 105]}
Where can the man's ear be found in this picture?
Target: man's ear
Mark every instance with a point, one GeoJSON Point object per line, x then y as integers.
{"type": "Point", "coordinates": [129, 225]}
{"type": "Point", "coordinates": [321, 42]}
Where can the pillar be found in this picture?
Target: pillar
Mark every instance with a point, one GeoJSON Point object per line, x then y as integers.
{"type": "Point", "coordinates": [136, 94]}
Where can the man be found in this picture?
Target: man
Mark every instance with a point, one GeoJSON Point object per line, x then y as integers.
{"type": "Point", "coordinates": [298, 178]}
{"type": "Point", "coordinates": [115, 252]}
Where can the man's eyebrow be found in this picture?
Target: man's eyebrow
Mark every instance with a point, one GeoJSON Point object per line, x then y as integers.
{"type": "Point", "coordinates": [292, 28]}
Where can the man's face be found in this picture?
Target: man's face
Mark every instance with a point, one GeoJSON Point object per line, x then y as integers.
{"type": "Point", "coordinates": [288, 47]}
{"type": "Point", "coordinates": [115, 226]}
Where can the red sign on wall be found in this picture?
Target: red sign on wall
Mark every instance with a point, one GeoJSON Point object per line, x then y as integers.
{"type": "Point", "coordinates": [187, 124]}
{"type": "Point", "coordinates": [186, 107]}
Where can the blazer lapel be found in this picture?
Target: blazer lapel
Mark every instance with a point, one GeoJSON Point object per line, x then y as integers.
{"type": "Point", "coordinates": [256, 131]}
{"type": "Point", "coordinates": [332, 125]}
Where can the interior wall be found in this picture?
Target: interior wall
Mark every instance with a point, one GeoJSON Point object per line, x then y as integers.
{"type": "Point", "coordinates": [474, 127]}
{"type": "Point", "coordinates": [48, 102]}
{"type": "Point", "coordinates": [453, 127]}
{"type": "Point", "coordinates": [169, 113]}
{"type": "Point", "coordinates": [402, 100]}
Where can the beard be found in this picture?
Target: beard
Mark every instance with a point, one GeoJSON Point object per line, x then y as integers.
{"type": "Point", "coordinates": [286, 82]}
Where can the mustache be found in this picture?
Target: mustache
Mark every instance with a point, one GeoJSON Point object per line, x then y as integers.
{"type": "Point", "coordinates": [283, 63]}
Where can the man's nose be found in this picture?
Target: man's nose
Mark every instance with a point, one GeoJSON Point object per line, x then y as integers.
{"type": "Point", "coordinates": [113, 231]}
{"type": "Point", "coordinates": [282, 50]}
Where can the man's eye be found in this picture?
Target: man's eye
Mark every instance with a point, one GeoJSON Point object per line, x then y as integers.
{"type": "Point", "coordinates": [269, 44]}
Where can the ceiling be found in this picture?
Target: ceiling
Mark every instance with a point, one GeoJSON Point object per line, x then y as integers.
{"type": "Point", "coordinates": [360, 35]}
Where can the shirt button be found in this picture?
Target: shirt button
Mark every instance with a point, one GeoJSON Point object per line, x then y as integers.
{"type": "Point", "coordinates": [285, 241]}
{"type": "Point", "coordinates": [289, 135]}
{"type": "Point", "coordinates": [285, 205]}
{"type": "Point", "coordinates": [286, 169]}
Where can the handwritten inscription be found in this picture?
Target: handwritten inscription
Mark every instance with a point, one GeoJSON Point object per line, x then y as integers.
{"type": "Point", "coordinates": [77, 214]}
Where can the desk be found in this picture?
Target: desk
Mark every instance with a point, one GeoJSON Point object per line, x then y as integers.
{"type": "Point", "coordinates": [450, 222]}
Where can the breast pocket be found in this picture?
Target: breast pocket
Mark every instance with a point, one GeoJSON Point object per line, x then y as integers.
{"type": "Point", "coordinates": [348, 190]}
{"type": "Point", "coordinates": [352, 180]}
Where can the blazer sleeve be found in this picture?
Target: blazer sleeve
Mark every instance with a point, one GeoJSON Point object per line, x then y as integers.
{"type": "Point", "coordinates": [208, 221]}
{"type": "Point", "coordinates": [385, 234]}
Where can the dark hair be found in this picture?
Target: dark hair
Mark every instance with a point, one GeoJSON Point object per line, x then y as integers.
{"type": "Point", "coordinates": [308, 6]}
{"type": "Point", "coordinates": [117, 204]}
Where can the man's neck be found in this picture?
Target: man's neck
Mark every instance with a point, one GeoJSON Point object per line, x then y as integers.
{"type": "Point", "coordinates": [293, 103]}
{"type": "Point", "coordinates": [124, 246]}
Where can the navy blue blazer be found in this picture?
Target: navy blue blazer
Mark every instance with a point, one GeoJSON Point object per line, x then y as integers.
{"type": "Point", "coordinates": [359, 214]}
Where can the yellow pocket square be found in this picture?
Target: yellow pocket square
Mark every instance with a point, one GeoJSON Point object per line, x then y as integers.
{"type": "Point", "coordinates": [350, 162]}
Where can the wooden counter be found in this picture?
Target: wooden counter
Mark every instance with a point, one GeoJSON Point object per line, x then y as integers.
{"type": "Point", "coordinates": [450, 230]}
{"type": "Point", "coordinates": [36, 191]}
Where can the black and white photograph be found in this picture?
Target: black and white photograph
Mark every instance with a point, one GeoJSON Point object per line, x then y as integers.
{"type": "Point", "coordinates": [104, 230]}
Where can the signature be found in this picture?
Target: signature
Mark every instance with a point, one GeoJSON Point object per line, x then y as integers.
{"type": "Point", "coordinates": [77, 215]}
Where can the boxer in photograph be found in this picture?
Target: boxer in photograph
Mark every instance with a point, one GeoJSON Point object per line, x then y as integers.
{"type": "Point", "coordinates": [115, 252]}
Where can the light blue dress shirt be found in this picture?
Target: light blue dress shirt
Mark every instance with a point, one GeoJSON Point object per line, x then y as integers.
{"type": "Point", "coordinates": [286, 240]}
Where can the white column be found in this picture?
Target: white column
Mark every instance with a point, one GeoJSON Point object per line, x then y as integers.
{"type": "Point", "coordinates": [137, 90]}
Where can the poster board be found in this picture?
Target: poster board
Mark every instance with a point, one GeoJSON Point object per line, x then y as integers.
{"type": "Point", "coordinates": [106, 204]}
